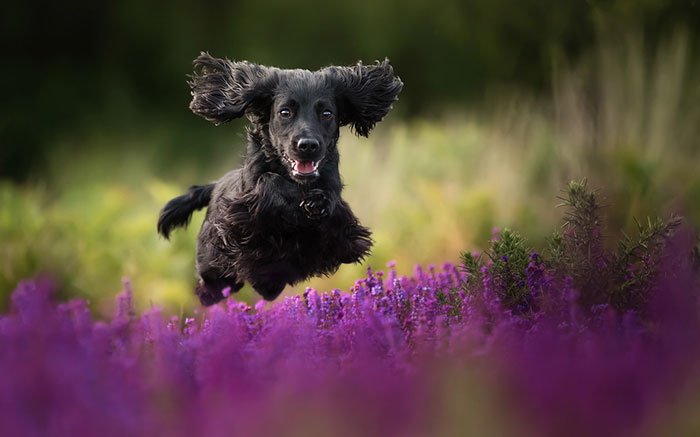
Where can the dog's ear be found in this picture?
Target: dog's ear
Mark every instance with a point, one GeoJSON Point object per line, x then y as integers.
{"type": "Point", "coordinates": [365, 93]}
{"type": "Point", "coordinates": [223, 90]}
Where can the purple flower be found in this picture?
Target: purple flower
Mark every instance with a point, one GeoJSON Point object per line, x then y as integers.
{"type": "Point", "coordinates": [360, 363]}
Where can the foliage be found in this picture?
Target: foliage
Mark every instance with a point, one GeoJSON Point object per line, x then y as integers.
{"type": "Point", "coordinates": [619, 278]}
{"type": "Point", "coordinates": [506, 262]}
{"type": "Point", "coordinates": [109, 228]}
{"type": "Point", "coordinates": [509, 258]}
{"type": "Point", "coordinates": [129, 75]}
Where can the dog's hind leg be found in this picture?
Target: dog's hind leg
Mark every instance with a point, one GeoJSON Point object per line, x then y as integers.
{"type": "Point", "coordinates": [210, 287]}
{"type": "Point", "coordinates": [269, 280]}
{"type": "Point", "coordinates": [215, 269]}
{"type": "Point", "coordinates": [269, 290]}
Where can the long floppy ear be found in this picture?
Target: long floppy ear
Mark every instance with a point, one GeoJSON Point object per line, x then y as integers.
{"type": "Point", "coordinates": [223, 90]}
{"type": "Point", "coordinates": [365, 93]}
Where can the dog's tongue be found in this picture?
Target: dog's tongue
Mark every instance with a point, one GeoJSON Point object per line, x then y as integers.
{"type": "Point", "coordinates": [304, 167]}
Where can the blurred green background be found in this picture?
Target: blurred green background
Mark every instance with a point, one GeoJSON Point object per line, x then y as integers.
{"type": "Point", "coordinates": [504, 102]}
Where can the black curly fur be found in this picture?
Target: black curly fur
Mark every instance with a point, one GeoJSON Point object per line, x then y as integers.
{"type": "Point", "coordinates": [178, 211]}
{"type": "Point", "coordinates": [274, 221]}
{"type": "Point", "coordinates": [366, 93]}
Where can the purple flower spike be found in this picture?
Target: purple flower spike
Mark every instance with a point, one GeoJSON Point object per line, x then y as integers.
{"type": "Point", "coordinates": [367, 362]}
{"type": "Point", "coordinates": [226, 292]}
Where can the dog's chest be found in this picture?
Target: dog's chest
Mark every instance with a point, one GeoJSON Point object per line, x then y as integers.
{"type": "Point", "coordinates": [308, 239]}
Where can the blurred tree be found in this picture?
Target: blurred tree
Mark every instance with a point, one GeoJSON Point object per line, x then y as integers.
{"type": "Point", "coordinates": [118, 66]}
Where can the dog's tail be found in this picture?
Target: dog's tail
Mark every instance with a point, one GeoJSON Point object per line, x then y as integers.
{"type": "Point", "coordinates": [179, 210]}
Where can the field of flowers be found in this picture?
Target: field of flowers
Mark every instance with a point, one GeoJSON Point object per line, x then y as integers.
{"type": "Point", "coordinates": [590, 326]}
{"type": "Point", "coordinates": [576, 340]}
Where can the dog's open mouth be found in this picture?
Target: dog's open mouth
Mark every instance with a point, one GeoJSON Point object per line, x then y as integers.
{"type": "Point", "coordinates": [303, 168]}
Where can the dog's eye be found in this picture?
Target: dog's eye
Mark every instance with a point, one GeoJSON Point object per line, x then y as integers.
{"type": "Point", "coordinates": [326, 115]}
{"type": "Point", "coordinates": [285, 113]}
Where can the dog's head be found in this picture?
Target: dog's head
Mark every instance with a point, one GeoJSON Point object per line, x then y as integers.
{"type": "Point", "coordinates": [300, 111]}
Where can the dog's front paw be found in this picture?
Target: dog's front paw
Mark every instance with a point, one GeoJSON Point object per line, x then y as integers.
{"type": "Point", "coordinates": [315, 205]}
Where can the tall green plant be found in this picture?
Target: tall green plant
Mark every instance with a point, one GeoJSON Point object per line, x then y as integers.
{"type": "Point", "coordinates": [620, 277]}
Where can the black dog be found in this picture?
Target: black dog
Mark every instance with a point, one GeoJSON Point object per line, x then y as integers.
{"type": "Point", "coordinates": [280, 219]}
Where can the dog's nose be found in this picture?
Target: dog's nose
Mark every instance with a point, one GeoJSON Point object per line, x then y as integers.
{"type": "Point", "coordinates": [309, 145]}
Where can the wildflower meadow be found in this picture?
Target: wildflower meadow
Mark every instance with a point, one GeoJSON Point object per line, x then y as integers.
{"type": "Point", "coordinates": [577, 339]}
